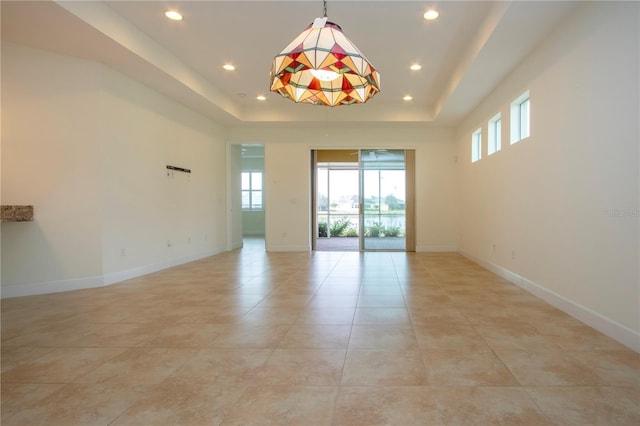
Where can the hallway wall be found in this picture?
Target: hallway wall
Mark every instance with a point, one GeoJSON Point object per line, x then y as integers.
{"type": "Point", "coordinates": [288, 177]}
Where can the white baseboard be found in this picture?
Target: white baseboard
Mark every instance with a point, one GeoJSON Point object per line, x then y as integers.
{"type": "Point", "coordinates": [607, 326]}
{"type": "Point", "coordinates": [115, 277]}
{"type": "Point", "coordinates": [235, 246]}
{"type": "Point", "coordinates": [31, 289]}
{"type": "Point", "coordinates": [429, 249]}
{"type": "Point", "coordinates": [288, 248]}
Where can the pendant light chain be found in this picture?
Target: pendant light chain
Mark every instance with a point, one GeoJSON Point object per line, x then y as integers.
{"type": "Point", "coordinates": [324, 3]}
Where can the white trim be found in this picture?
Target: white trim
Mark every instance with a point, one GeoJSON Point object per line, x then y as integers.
{"type": "Point", "coordinates": [48, 287]}
{"type": "Point", "coordinates": [31, 289]}
{"type": "Point", "coordinates": [115, 277]}
{"type": "Point", "coordinates": [516, 119]}
{"type": "Point", "coordinates": [611, 328]}
{"type": "Point", "coordinates": [236, 246]}
{"type": "Point", "coordinates": [288, 248]}
{"type": "Point", "coordinates": [427, 249]}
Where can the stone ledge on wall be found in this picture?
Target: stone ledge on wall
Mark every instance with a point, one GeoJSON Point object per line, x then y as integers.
{"type": "Point", "coordinates": [17, 213]}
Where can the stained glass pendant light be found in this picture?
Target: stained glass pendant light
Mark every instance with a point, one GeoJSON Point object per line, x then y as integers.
{"type": "Point", "coordinates": [323, 67]}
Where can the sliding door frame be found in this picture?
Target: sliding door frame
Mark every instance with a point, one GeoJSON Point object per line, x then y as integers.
{"type": "Point", "coordinates": [410, 206]}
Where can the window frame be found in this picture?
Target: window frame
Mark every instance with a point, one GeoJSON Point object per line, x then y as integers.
{"type": "Point", "coordinates": [494, 134]}
{"type": "Point", "coordinates": [521, 118]}
{"type": "Point", "coordinates": [252, 190]}
{"type": "Point", "coordinates": [476, 145]}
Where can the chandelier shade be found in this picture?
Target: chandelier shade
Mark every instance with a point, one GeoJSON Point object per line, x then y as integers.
{"type": "Point", "coordinates": [323, 67]}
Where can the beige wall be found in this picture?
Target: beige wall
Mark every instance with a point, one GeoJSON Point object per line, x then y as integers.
{"type": "Point", "coordinates": [50, 110]}
{"type": "Point", "coordinates": [88, 148]}
{"type": "Point", "coordinates": [155, 215]}
{"type": "Point", "coordinates": [545, 201]}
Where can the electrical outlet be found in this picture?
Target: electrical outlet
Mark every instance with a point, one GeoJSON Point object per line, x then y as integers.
{"type": "Point", "coordinates": [494, 248]}
{"type": "Point", "coordinates": [123, 252]}
{"type": "Point", "coordinates": [513, 254]}
{"type": "Point", "coordinates": [169, 244]}
{"type": "Point", "coordinates": [189, 240]}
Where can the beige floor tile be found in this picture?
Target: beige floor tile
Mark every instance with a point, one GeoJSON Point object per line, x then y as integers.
{"type": "Point", "coordinates": [384, 368]}
{"type": "Point", "coordinates": [337, 283]}
{"type": "Point", "coordinates": [488, 406]}
{"type": "Point", "coordinates": [184, 336]}
{"type": "Point", "coordinates": [316, 336]}
{"type": "Point", "coordinates": [328, 316]}
{"type": "Point", "coordinates": [185, 405]}
{"type": "Point", "coordinates": [381, 301]}
{"type": "Point", "coordinates": [558, 368]}
{"type": "Point", "coordinates": [54, 335]}
{"type": "Point", "coordinates": [456, 368]}
{"type": "Point", "coordinates": [270, 316]}
{"type": "Point", "coordinates": [425, 289]}
{"type": "Point", "coordinates": [62, 365]}
{"type": "Point", "coordinates": [382, 316]}
{"type": "Point", "coordinates": [139, 366]}
{"type": "Point", "coordinates": [378, 405]}
{"type": "Point", "coordinates": [248, 337]}
{"type": "Point", "coordinates": [209, 366]}
{"type": "Point", "coordinates": [304, 367]}
{"type": "Point", "coordinates": [437, 315]}
{"type": "Point", "coordinates": [614, 368]}
{"type": "Point", "coordinates": [333, 302]}
{"type": "Point", "coordinates": [18, 398]}
{"type": "Point", "coordinates": [283, 405]}
{"type": "Point", "coordinates": [120, 335]}
{"type": "Point", "coordinates": [383, 338]}
{"type": "Point", "coordinates": [102, 314]}
{"type": "Point", "coordinates": [512, 335]}
{"type": "Point", "coordinates": [79, 405]}
{"type": "Point", "coordinates": [329, 289]}
{"type": "Point", "coordinates": [218, 314]}
{"type": "Point", "coordinates": [455, 337]}
{"type": "Point", "coordinates": [161, 313]}
{"type": "Point", "coordinates": [392, 291]}
{"type": "Point", "coordinates": [295, 301]}
{"type": "Point", "coordinates": [596, 406]}
{"type": "Point", "coordinates": [12, 356]}
{"type": "Point", "coordinates": [579, 338]}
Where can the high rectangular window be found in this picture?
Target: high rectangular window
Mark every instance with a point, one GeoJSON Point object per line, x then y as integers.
{"type": "Point", "coordinates": [252, 190]}
{"type": "Point", "coordinates": [476, 145]}
{"type": "Point", "coordinates": [495, 132]}
{"type": "Point", "coordinates": [520, 118]}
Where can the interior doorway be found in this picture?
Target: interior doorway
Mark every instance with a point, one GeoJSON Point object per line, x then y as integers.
{"type": "Point", "coordinates": [363, 200]}
{"type": "Point", "coordinates": [252, 190]}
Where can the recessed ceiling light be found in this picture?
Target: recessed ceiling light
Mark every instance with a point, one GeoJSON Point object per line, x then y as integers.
{"type": "Point", "coordinates": [415, 67]}
{"type": "Point", "coordinates": [431, 14]}
{"type": "Point", "coordinates": [261, 98]}
{"type": "Point", "coordinates": [407, 98]}
{"type": "Point", "coordinates": [229, 67]}
{"type": "Point", "coordinates": [173, 15]}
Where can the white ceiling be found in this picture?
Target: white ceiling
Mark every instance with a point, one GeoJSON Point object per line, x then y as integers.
{"type": "Point", "coordinates": [464, 54]}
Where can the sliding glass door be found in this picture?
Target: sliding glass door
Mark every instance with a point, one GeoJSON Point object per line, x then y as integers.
{"type": "Point", "coordinates": [383, 194]}
{"type": "Point", "coordinates": [366, 204]}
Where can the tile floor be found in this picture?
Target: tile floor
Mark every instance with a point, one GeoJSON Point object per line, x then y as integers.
{"type": "Point", "coordinates": [255, 338]}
